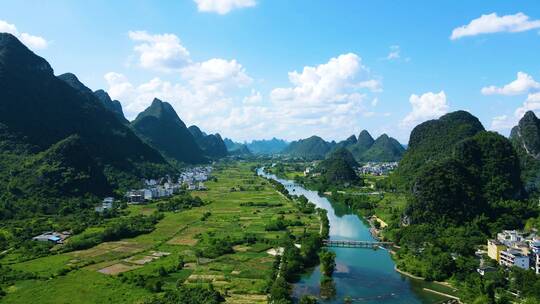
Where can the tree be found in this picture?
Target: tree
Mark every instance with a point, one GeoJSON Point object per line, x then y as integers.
{"type": "Point", "coordinates": [279, 292]}
{"type": "Point", "coordinates": [328, 262]}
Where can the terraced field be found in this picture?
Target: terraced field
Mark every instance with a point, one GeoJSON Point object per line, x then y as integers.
{"type": "Point", "coordinates": [99, 274]}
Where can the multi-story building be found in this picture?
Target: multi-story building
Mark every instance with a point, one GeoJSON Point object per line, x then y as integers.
{"type": "Point", "coordinates": [535, 255]}
{"type": "Point", "coordinates": [509, 237]}
{"type": "Point", "coordinates": [514, 257]}
{"type": "Point", "coordinates": [494, 249]}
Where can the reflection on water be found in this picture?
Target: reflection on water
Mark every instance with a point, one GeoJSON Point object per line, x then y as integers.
{"type": "Point", "coordinates": [363, 275]}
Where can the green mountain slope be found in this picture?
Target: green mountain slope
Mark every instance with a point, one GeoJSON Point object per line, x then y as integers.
{"type": "Point", "coordinates": [160, 126]}
{"type": "Point", "coordinates": [112, 105]}
{"type": "Point", "coordinates": [211, 144]}
{"type": "Point", "coordinates": [363, 143]}
{"type": "Point", "coordinates": [384, 149]}
{"type": "Point", "coordinates": [313, 147]}
{"type": "Point", "coordinates": [525, 138]}
{"type": "Point", "coordinates": [457, 171]}
{"type": "Point", "coordinates": [52, 125]}
{"type": "Point", "coordinates": [366, 149]}
{"type": "Point", "coordinates": [100, 96]}
{"type": "Point", "coordinates": [349, 142]}
{"type": "Point", "coordinates": [338, 168]}
{"type": "Point", "coordinates": [473, 179]}
{"type": "Point", "coordinates": [344, 154]}
{"type": "Point", "coordinates": [434, 140]}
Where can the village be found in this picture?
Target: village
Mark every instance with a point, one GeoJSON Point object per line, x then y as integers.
{"type": "Point", "coordinates": [369, 168]}
{"type": "Point", "coordinates": [377, 168]}
{"type": "Point", "coordinates": [512, 248]}
{"type": "Point", "coordinates": [191, 179]}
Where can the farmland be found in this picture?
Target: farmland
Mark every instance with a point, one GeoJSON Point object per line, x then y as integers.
{"type": "Point", "coordinates": [184, 248]}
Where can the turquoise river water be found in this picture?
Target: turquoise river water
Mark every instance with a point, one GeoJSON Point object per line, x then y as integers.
{"type": "Point", "coordinates": [362, 275]}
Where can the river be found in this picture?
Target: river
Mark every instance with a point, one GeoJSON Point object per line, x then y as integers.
{"type": "Point", "coordinates": [363, 275]}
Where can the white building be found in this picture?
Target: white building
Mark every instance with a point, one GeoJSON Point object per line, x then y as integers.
{"type": "Point", "coordinates": [509, 237]}
{"type": "Point", "coordinates": [105, 205]}
{"type": "Point", "coordinates": [135, 196]}
{"type": "Point", "coordinates": [513, 257]}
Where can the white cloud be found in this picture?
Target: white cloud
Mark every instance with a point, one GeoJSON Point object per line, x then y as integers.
{"type": "Point", "coordinates": [325, 99]}
{"type": "Point", "coordinates": [8, 28]}
{"type": "Point", "coordinates": [216, 71]}
{"type": "Point", "coordinates": [427, 106]}
{"type": "Point", "coordinates": [254, 98]}
{"type": "Point", "coordinates": [506, 122]}
{"type": "Point", "coordinates": [162, 52]}
{"type": "Point", "coordinates": [492, 23]}
{"type": "Point", "coordinates": [323, 83]}
{"type": "Point", "coordinates": [31, 41]}
{"type": "Point", "coordinates": [502, 122]}
{"type": "Point", "coordinates": [119, 86]}
{"type": "Point", "coordinates": [375, 102]}
{"type": "Point", "coordinates": [523, 84]}
{"type": "Point", "coordinates": [531, 104]}
{"type": "Point", "coordinates": [218, 96]}
{"type": "Point", "coordinates": [223, 7]}
{"type": "Point", "coordinates": [190, 103]}
{"type": "Point", "coordinates": [372, 84]}
{"type": "Point", "coordinates": [394, 54]}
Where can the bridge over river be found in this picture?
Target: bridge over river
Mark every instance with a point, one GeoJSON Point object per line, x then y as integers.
{"type": "Point", "coordinates": [356, 244]}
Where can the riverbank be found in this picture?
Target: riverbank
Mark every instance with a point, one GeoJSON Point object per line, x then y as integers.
{"type": "Point", "coordinates": [361, 274]}
{"type": "Point", "coordinates": [238, 206]}
{"type": "Point", "coordinates": [443, 284]}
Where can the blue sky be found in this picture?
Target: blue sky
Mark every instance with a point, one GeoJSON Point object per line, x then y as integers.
{"type": "Point", "coordinates": [290, 69]}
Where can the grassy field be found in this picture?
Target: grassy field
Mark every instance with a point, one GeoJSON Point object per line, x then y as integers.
{"type": "Point", "coordinates": [95, 275]}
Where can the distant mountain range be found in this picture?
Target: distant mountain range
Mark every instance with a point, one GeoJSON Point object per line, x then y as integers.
{"type": "Point", "coordinates": [235, 148]}
{"type": "Point", "coordinates": [364, 148]}
{"type": "Point", "coordinates": [271, 146]}
{"type": "Point", "coordinates": [263, 146]}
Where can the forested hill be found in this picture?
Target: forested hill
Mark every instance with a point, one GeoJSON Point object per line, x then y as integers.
{"type": "Point", "coordinates": [434, 140]}
{"type": "Point", "coordinates": [160, 126]}
{"type": "Point", "coordinates": [338, 168]}
{"type": "Point", "coordinates": [366, 149]}
{"type": "Point", "coordinates": [463, 186]}
{"type": "Point", "coordinates": [313, 147]}
{"type": "Point", "coordinates": [526, 140]}
{"type": "Point", "coordinates": [43, 120]}
{"type": "Point", "coordinates": [457, 171]}
{"type": "Point", "coordinates": [211, 144]}
{"type": "Point", "coordinates": [384, 149]}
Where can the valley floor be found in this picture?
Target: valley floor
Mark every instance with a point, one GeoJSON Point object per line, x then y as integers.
{"type": "Point", "coordinates": [95, 275]}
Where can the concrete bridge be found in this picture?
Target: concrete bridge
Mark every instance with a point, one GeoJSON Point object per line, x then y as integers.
{"type": "Point", "coordinates": [356, 244]}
